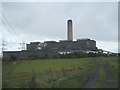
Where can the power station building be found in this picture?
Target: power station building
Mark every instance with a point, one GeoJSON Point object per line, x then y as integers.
{"type": "Point", "coordinates": [53, 48]}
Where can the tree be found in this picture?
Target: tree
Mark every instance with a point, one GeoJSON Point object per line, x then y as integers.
{"type": "Point", "coordinates": [13, 58]}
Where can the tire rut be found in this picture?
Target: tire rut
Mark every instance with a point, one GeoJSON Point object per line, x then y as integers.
{"type": "Point", "coordinates": [109, 81]}
{"type": "Point", "coordinates": [90, 80]}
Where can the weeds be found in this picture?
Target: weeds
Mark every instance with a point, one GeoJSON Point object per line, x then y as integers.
{"type": "Point", "coordinates": [49, 77]}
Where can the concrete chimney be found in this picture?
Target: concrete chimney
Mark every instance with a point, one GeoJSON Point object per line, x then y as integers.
{"type": "Point", "coordinates": [69, 30]}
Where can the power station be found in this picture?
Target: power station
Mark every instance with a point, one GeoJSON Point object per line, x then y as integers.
{"type": "Point", "coordinates": [51, 48]}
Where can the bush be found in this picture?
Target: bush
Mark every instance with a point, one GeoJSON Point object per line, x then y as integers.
{"type": "Point", "coordinates": [13, 58]}
{"type": "Point", "coordinates": [32, 56]}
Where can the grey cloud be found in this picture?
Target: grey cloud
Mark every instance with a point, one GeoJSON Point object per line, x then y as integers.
{"type": "Point", "coordinates": [37, 20]}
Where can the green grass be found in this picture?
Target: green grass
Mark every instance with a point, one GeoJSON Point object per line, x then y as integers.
{"type": "Point", "coordinates": [56, 73]}
{"type": "Point", "coordinates": [113, 66]}
{"type": "Point", "coordinates": [112, 63]}
{"type": "Point", "coordinates": [76, 81]}
{"type": "Point", "coordinates": [13, 74]}
{"type": "Point", "coordinates": [101, 78]}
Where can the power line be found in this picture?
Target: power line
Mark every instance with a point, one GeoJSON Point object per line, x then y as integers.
{"type": "Point", "coordinates": [12, 45]}
{"type": "Point", "coordinates": [11, 28]}
{"type": "Point", "coordinates": [11, 35]}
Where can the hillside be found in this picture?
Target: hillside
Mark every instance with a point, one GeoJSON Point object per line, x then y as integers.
{"type": "Point", "coordinates": [62, 73]}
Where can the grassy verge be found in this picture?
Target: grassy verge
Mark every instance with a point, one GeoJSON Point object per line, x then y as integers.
{"type": "Point", "coordinates": [76, 80]}
{"type": "Point", "coordinates": [113, 66]}
{"type": "Point", "coordinates": [101, 77]}
{"type": "Point", "coordinates": [43, 73]}
{"type": "Point", "coordinates": [54, 73]}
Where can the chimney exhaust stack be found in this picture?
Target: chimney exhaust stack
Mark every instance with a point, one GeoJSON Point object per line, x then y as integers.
{"type": "Point", "coordinates": [69, 30]}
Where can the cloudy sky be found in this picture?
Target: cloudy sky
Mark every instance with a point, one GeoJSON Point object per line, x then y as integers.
{"type": "Point", "coordinates": [43, 21]}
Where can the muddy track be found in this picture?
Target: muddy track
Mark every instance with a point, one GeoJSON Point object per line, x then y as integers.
{"type": "Point", "coordinates": [109, 81]}
{"type": "Point", "coordinates": [91, 79]}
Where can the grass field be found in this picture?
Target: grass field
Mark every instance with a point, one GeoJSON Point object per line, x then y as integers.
{"type": "Point", "coordinates": [55, 73]}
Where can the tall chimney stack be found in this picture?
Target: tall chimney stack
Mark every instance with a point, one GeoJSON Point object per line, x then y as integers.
{"type": "Point", "coordinates": [69, 30]}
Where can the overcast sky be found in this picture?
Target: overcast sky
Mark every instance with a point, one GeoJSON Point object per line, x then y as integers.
{"type": "Point", "coordinates": [40, 21]}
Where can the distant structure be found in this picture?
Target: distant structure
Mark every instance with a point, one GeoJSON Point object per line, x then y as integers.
{"type": "Point", "coordinates": [70, 30]}
{"type": "Point", "coordinates": [51, 48]}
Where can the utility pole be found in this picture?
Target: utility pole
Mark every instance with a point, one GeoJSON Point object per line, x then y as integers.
{"type": "Point", "coordinates": [23, 44]}
{"type": "Point", "coordinates": [4, 45]}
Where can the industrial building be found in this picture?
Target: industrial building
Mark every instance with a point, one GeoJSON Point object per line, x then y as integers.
{"type": "Point", "coordinates": [53, 48]}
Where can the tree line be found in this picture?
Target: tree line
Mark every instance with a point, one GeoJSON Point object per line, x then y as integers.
{"type": "Point", "coordinates": [60, 56]}
{"type": "Point", "coordinates": [70, 55]}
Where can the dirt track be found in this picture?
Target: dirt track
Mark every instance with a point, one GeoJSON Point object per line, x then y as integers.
{"type": "Point", "coordinates": [108, 82]}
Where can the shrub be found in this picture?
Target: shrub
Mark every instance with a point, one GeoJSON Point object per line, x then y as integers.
{"type": "Point", "coordinates": [32, 56]}
{"type": "Point", "coordinates": [13, 58]}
